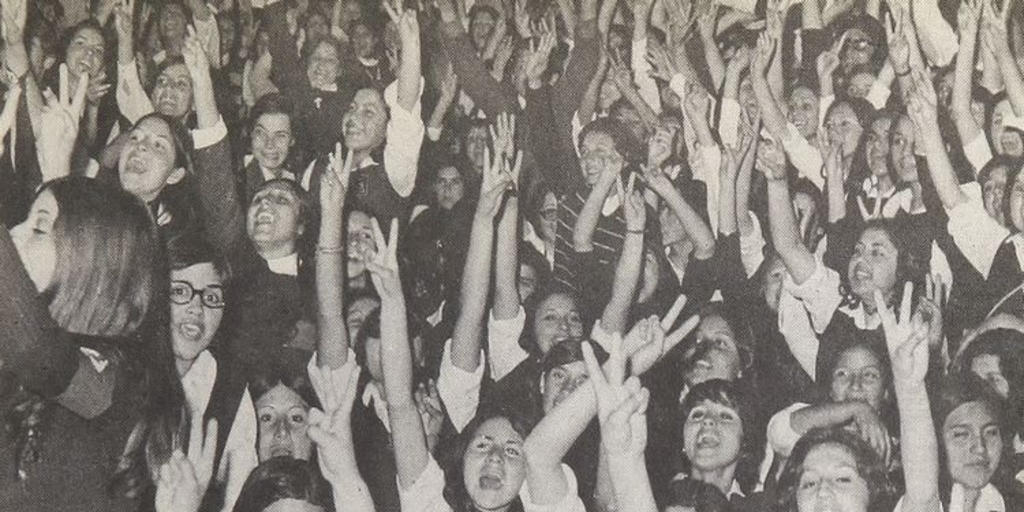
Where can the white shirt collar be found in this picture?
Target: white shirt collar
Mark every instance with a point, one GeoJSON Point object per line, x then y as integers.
{"type": "Point", "coordinates": [198, 383]}
{"type": "Point", "coordinates": [990, 500]}
{"type": "Point", "coordinates": [285, 265]}
{"type": "Point", "coordinates": [861, 318]}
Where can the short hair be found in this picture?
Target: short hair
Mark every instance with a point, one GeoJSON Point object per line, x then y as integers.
{"type": "Point", "coordinates": [86, 24]}
{"type": "Point", "coordinates": [454, 451]}
{"type": "Point", "coordinates": [272, 103]}
{"type": "Point", "coordinates": [567, 352]}
{"type": "Point", "coordinates": [286, 367]}
{"type": "Point", "coordinates": [732, 395]}
{"type": "Point", "coordinates": [309, 211]}
{"type": "Point", "coordinates": [107, 258]}
{"type": "Point", "coordinates": [281, 478]}
{"type": "Point", "coordinates": [622, 138]}
{"type": "Point", "coordinates": [870, 466]}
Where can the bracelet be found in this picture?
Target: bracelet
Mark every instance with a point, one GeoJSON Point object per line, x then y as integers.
{"type": "Point", "coordinates": [329, 250]}
{"type": "Point", "coordinates": [905, 73]}
{"type": "Point", "coordinates": [635, 231]}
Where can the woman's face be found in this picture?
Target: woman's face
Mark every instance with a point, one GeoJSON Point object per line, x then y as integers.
{"type": "Point", "coordinates": [557, 319]}
{"type": "Point", "coordinates": [35, 242]}
{"type": "Point", "coordinates": [901, 148]}
{"type": "Point", "coordinates": [357, 312]}
{"type": "Point", "coordinates": [273, 220]}
{"type": "Point", "coordinates": [527, 281]}
{"type": "Point", "coordinates": [172, 94]}
{"type": "Point", "coordinates": [988, 368]}
{"type": "Point", "coordinates": [360, 242]}
{"type": "Point", "coordinates": [598, 156]}
{"type": "Point", "coordinates": [272, 140]}
{"type": "Point", "coordinates": [992, 194]}
{"type": "Point", "coordinates": [147, 160]}
{"type": "Point", "coordinates": [324, 65]}
{"type": "Point", "coordinates": [172, 23]}
{"type": "Point", "coordinates": [857, 50]}
{"type": "Point", "coordinates": [448, 188]}
{"type": "Point", "coordinates": [364, 41]}
{"type": "Point", "coordinates": [1017, 202]}
{"type": "Point", "coordinates": [712, 436]}
{"type": "Point", "coordinates": [494, 466]}
{"type": "Point", "coordinates": [480, 28]}
{"type": "Point", "coordinates": [317, 27]}
{"type": "Point", "coordinates": [877, 147]}
{"type": "Point", "coordinates": [365, 121]}
{"type": "Point", "coordinates": [843, 128]}
{"type": "Point", "coordinates": [873, 265]}
{"type": "Point", "coordinates": [974, 444]}
{"type": "Point", "coordinates": [1005, 141]}
{"type": "Point", "coordinates": [715, 355]}
{"type": "Point", "coordinates": [283, 418]}
{"type": "Point", "coordinates": [85, 54]}
{"type": "Point", "coordinates": [609, 93]}
{"type": "Point", "coordinates": [858, 375]}
{"type": "Point", "coordinates": [560, 382]}
{"type": "Point", "coordinates": [803, 111]}
{"type": "Point", "coordinates": [195, 322]}
{"type": "Point", "coordinates": [829, 480]}
{"type": "Point", "coordinates": [549, 217]}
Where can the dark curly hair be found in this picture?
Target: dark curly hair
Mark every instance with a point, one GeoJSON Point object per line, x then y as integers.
{"type": "Point", "coordinates": [454, 451]}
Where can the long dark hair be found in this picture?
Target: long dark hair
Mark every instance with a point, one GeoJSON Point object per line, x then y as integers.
{"type": "Point", "coordinates": [282, 478]}
{"type": "Point", "coordinates": [731, 395]}
{"type": "Point", "coordinates": [455, 492]}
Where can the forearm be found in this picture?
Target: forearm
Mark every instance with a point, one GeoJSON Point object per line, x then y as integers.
{"type": "Point", "coordinates": [631, 483]}
{"type": "Point", "coordinates": [552, 438]}
{"type": "Point", "coordinates": [716, 65]}
{"type": "Point", "coordinates": [477, 82]}
{"type": "Point", "coordinates": [407, 433]}
{"type": "Point", "coordinates": [1012, 79]}
{"type": "Point", "coordinates": [771, 113]}
{"type": "Point", "coordinates": [409, 74]}
{"type": "Point", "coordinates": [836, 197]}
{"type": "Point", "coordinates": [476, 280]}
{"type": "Point", "coordinates": [627, 277]}
{"type": "Point", "coordinates": [333, 343]}
{"type": "Point", "coordinates": [963, 75]}
{"type": "Point", "coordinates": [568, 13]}
{"type": "Point", "coordinates": [943, 176]}
{"type": "Point", "coordinates": [506, 263]}
{"type": "Point", "coordinates": [919, 448]}
{"type": "Point", "coordinates": [207, 114]}
{"type": "Point", "coordinates": [743, 222]}
{"type": "Point", "coordinates": [812, 15]}
{"type": "Point", "coordinates": [698, 231]}
{"type": "Point", "coordinates": [590, 214]}
{"type": "Point", "coordinates": [352, 491]}
{"type": "Point", "coordinates": [829, 414]}
{"type": "Point", "coordinates": [786, 234]}
{"type": "Point", "coordinates": [991, 77]}
{"type": "Point", "coordinates": [727, 216]}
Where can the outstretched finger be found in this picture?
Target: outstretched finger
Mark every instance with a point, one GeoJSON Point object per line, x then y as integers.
{"type": "Point", "coordinates": [204, 465]}
{"type": "Point", "coordinates": [378, 237]}
{"type": "Point", "coordinates": [62, 91]}
{"type": "Point", "coordinates": [673, 313]}
{"type": "Point", "coordinates": [393, 243]}
{"type": "Point", "coordinates": [908, 294]}
{"type": "Point", "coordinates": [675, 337]}
{"type": "Point", "coordinates": [77, 104]}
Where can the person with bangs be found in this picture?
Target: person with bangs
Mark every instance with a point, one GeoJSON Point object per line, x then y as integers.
{"type": "Point", "coordinates": [273, 152]}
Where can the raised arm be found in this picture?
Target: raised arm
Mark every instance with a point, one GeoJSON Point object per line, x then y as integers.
{"type": "Point", "coordinates": [132, 100]}
{"type": "Point", "coordinates": [907, 340]}
{"type": "Point", "coordinates": [506, 259]}
{"type": "Point", "coordinates": [785, 233]}
{"type": "Point", "coordinates": [476, 277]}
{"type": "Point", "coordinates": [716, 65]}
{"type": "Point", "coordinates": [630, 264]}
{"type": "Point", "coordinates": [994, 36]}
{"type": "Point", "coordinates": [488, 94]}
{"type": "Point", "coordinates": [771, 113]}
{"type": "Point", "coordinates": [198, 66]}
{"type": "Point", "coordinates": [333, 342]}
{"type": "Point", "coordinates": [407, 435]}
{"type": "Point", "coordinates": [923, 111]}
{"type": "Point", "coordinates": [590, 214]}
{"type": "Point", "coordinates": [963, 74]}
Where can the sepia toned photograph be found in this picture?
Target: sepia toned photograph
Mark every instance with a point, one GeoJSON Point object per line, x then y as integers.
{"type": "Point", "coordinates": [512, 256]}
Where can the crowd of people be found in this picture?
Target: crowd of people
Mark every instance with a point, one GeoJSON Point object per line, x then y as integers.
{"type": "Point", "coordinates": [512, 255]}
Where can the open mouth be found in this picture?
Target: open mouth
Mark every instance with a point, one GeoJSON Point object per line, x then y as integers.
{"type": "Point", "coordinates": [191, 330]}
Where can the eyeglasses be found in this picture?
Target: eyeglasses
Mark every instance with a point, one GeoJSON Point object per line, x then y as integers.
{"type": "Point", "coordinates": [182, 293]}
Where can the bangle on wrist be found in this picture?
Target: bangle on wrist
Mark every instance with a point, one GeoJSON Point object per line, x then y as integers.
{"type": "Point", "coordinates": [635, 231]}
{"type": "Point", "coordinates": [335, 249]}
{"type": "Point", "coordinates": [902, 73]}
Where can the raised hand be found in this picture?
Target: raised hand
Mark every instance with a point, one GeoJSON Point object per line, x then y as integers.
{"type": "Point", "coordinates": [906, 338]}
{"type": "Point", "coordinates": [772, 161]}
{"type": "Point", "coordinates": [650, 339]}
{"type": "Point", "coordinates": [14, 14]}
{"type": "Point", "coordinates": [763, 54]}
{"type": "Point", "coordinates": [539, 54]}
{"type": "Point", "coordinates": [98, 88]}
{"type": "Point", "coordinates": [522, 17]}
{"type": "Point", "coordinates": [124, 20]}
{"type": "Point", "coordinates": [929, 309]}
{"type": "Point", "coordinates": [334, 181]}
{"type": "Point", "coordinates": [873, 431]}
{"type": "Point", "coordinates": [875, 213]}
{"type": "Point", "coordinates": [59, 118]}
{"type": "Point", "coordinates": [621, 403]}
{"type": "Point", "coordinates": [330, 429]}
{"type": "Point", "coordinates": [383, 264]}
{"type": "Point", "coordinates": [968, 18]}
{"type": "Point", "coordinates": [899, 45]}
{"type": "Point", "coordinates": [183, 480]}
{"type": "Point", "coordinates": [498, 177]}
{"type": "Point", "coordinates": [194, 55]}
{"type": "Point", "coordinates": [828, 60]}
{"type": "Point", "coordinates": [503, 136]}
{"type": "Point", "coordinates": [404, 19]}
{"type": "Point", "coordinates": [428, 403]}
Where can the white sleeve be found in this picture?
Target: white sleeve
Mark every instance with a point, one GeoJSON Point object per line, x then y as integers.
{"type": "Point", "coordinates": [503, 350]}
{"type": "Point", "coordinates": [978, 152]}
{"type": "Point", "coordinates": [977, 235]}
{"type": "Point", "coordinates": [805, 157]}
{"type": "Point", "coordinates": [459, 390]}
{"type": "Point", "coordinates": [645, 85]}
{"type": "Point", "coordinates": [781, 436]}
{"type": "Point", "coordinates": [819, 294]}
{"type": "Point", "coordinates": [878, 95]}
{"type": "Point", "coordinates": [132, 100]}
{"type": "Point", "coordinates": [426, 494]}
{"type": "Point", "coordinates": [752, 246]}
{"type": "Point", "coordinates": [206, 137]}
{"type": "Point", "coordinates": [240, 450]}
{"type": "Point", "coordinates": [729, 122]}
{"type": "Point", "coordinates": [404, 138]}
{"type": "Point", "coordinates": [796, 328]}
{"type": "Point", "coordinates": [571, 502]}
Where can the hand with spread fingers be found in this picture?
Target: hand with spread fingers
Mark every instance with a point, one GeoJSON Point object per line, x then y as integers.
{"type": "Point", "coordinates": [383, 265]}
{"type": "Point", "coordinates": [183, 480]}
{"type": "Point", "coordinates": [60, 118]}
